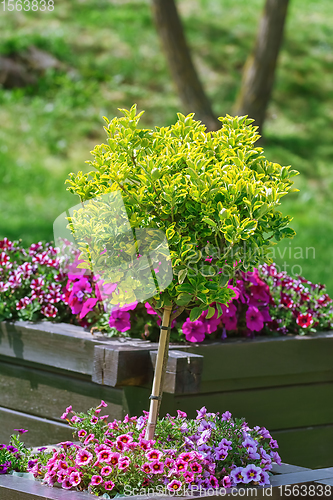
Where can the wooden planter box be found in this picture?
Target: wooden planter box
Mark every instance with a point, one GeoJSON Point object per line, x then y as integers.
{"type": "Point", "coordinates": [282, 383]}
{"type": "Point", "coordinates": [288, 481]}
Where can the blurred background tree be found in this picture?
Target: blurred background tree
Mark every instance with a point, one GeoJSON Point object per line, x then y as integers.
{"type": "Point", "coordinates": [89, 57]}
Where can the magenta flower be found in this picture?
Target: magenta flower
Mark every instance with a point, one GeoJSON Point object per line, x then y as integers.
{"type": "Point", "coordinates": [96, 480]}
{"type": "Point", "coordinates": [157, 467]}
{"type": "Point", "coordinates": [149, 308]}
{"type": "Point", "coordinates": [88, 306]}
{"type": "Point", "coordinates": [213, 482]}
{"type": "Point", "coordinates": [194, 331]}
{"type": "Point", "coordinates": [125, 439]}
{"type": "Point", "coordinates": [21, 431]}
{"type": "Point", "coordinates": [67, 484]}
{"type": "Point", "coordinates": [109, 485]}
{"type": "Point", "coordinates": [114, 460]}
{"type": "Point", "coordinates": [123, 463]}
{"type": "Point", "coordinates": [61, 475]}
{"type": "Point", "coordinates": [104, 456]}
{"type": "Point", "coordinates": [120, 320]}
{"type": "Point", "coordinates": [181, 465]}
{"type": "Point", "coordinates": [75, 478]}
{"type": "Point", "coordinates": [188, 476]}
{"type": "Point", "coordinates": [89, 438]}
{"type": "Point", "coordinates": [94, 420]}
{"type": "Point", "coordinates": [103, 404]}
{"type": "Point", "coordinates": [146, 468]}
{"type": "Point", "coordinates": [181, 414]}
{"type": "Point", "coordinates": [174, 485]}
{"type": "Point", "coordinates": [106, 471]}
{"type": "Point", "coordinates": [154, 454]}
{"type": "Point", "coordinates": [254, 319]}
{"type": "Point", "coordinates": [84, 457]}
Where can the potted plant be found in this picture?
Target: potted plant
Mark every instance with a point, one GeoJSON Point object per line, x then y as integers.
{"type": "Point", "coordinates": [209, 193]}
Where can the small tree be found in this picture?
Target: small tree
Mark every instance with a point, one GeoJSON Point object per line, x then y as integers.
{"type": "Point", "coordinates": [214, 196]}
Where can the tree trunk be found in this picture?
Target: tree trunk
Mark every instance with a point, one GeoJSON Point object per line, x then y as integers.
{"type": "Point", "coordinates": [190, 90]}
{"type": "Point", "coordinates": [259, 70]}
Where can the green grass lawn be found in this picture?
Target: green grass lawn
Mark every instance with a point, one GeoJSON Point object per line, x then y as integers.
{"type": "Point", "coordinates": [114, 59]}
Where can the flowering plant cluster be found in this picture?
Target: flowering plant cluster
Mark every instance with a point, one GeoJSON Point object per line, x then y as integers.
{"type": "Point", "coordinates": [31, 283]}
{"type": "Point", "coordinates": [34, 286]}
{"type": "Point", "coordinates": [14, 456]}
{"type": "Point", "coordinates": [210, 451]}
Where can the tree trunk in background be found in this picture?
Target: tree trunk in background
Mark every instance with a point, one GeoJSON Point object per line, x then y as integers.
{"type": "Point", "coordinates": [190, 90]}
{"type": "Point", "coordinates": [259, 70]}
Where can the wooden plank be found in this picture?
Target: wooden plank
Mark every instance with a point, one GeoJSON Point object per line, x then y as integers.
{"type": "Point", "coordinates": [302, 477]}
{"type": "Point", "coordinates": [287, 468]}
{"type": "Point", "coordinates": [183, 372]}
{"type": "Point", "coordinates": [47, 394]}
{"type": "Point", "coordinates": [41, 430]}
{"type": "Point", "coordinates": [266, 356]}
{"type": "Point", "coordinates": [18, 488]}
{"type": "Point", "coordinates": [122, 365]}
{"type": "Point", "coordinates": [276, 408]}
{"type": "Point", "coordinates": [308, 447]}
{"type": "Point", "coordinates": [57, 345]}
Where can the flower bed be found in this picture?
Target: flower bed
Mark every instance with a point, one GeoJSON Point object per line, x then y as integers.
{"type": "Point", "coordinates": [214, 455]}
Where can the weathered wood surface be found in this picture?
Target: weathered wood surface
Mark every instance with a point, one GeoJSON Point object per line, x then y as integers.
{"type": "Point", "coordinates": [47, 394]}
{"type": "Point", "coordinates": [41, 430]}
{"type": "Point", "coordinates": [265, 361]}
{"type": "Point", "coordinates": [183, 372]}
{"type": "Point", "coordinates": [17, 488]}
{"type": "Point", "coordinates": [123, 365]}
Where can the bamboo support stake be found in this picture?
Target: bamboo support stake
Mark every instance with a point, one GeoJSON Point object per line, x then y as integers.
{"type": "Point", "coordinates": [160, 368]}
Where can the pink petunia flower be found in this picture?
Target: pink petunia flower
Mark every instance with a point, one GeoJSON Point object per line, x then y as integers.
{"type": "Point", "coordinates": [109, 485]}
{"type": "Point", "coordinates": [194, 331]}
{"type": "Point", "coordinates": [156, 467]}
{"type": "Point", "coordinates": [254, 319]}
{"type": "Point", "coordinates": [84, 457]}
{"type": "Point", "coordinates": [120, 320]}
{"type": "Point", "coordinates": [75, 478]}
{"type": "Point", "coordinates": [106, 471]}
{"type": "Point", "coordinates": [154, 454]}
{"type": "Point", "coordinates": [96, 480]}
{"type": "Point", "coordinates": [174, 485]}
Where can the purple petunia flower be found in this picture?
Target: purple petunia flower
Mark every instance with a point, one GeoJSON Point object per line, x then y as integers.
{"type": "Point", "coordinates": [264, 478]}
{"type": "Point", "coordinates": [276, 457]}
{"type": "Point", "coordinates": [273, 444]}
{"type": "Point", "coordinates": [12, 449]}
{"type": "Point", "coordinates": [201, 413]}
{"type": "Point", "coordinates": [226, 416]}
{"type": "Point", "coordinates": [205, 436]}
{"type": "Point", "coordinates": [251, 473]}
{"type": "Point", "coordinates": [21, 431]}
{"type": "Point", "coordinates": [237, 475]}
{"type": "Point", "coordinates": [3, 469]}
